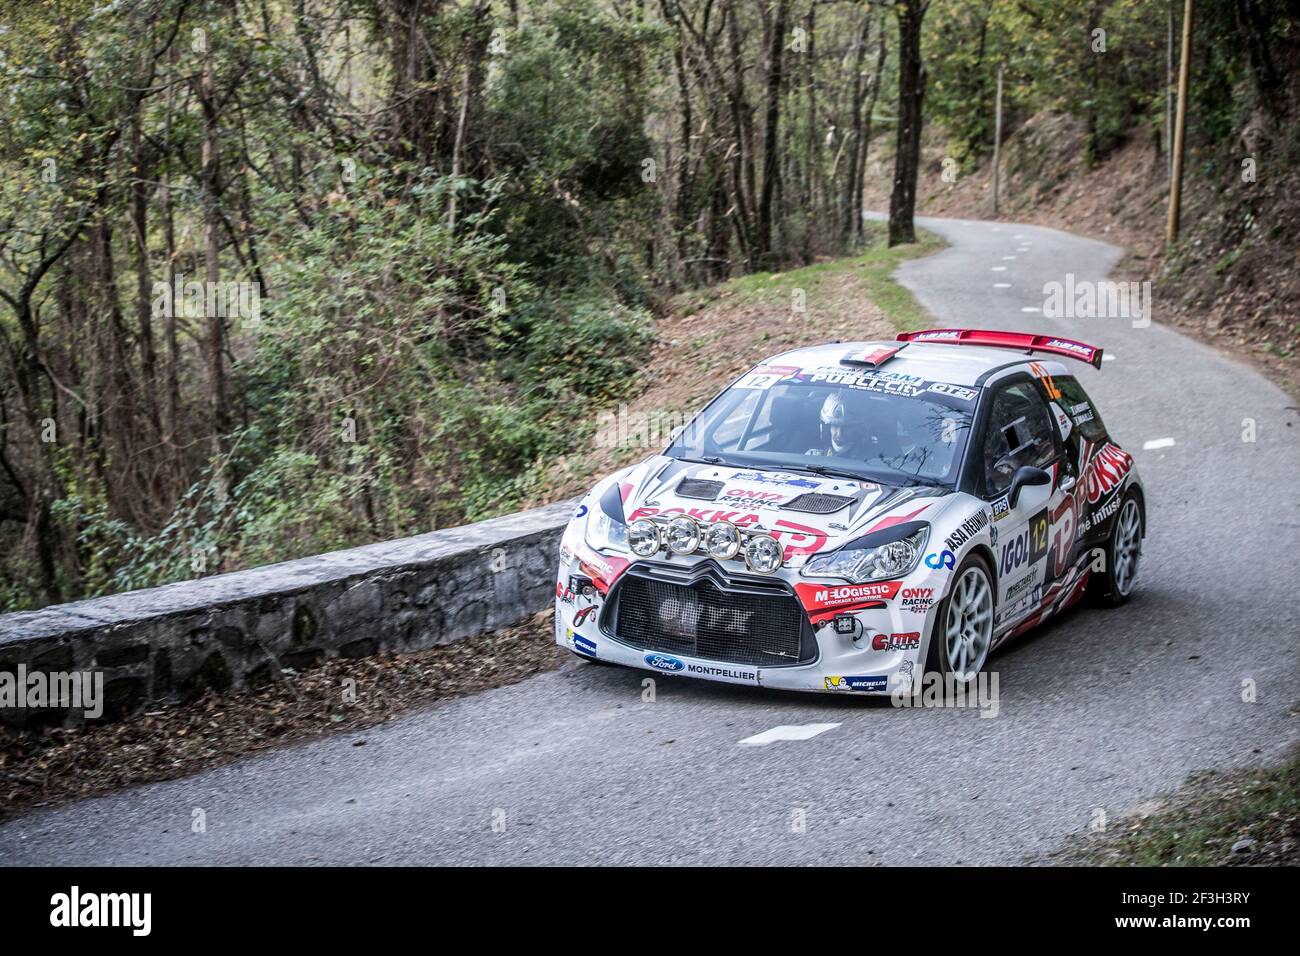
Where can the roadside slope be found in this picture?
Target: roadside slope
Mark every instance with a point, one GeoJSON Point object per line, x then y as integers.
{"type": "Point", "coordinates": [713, 335]}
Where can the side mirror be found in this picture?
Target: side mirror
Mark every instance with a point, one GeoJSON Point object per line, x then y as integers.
{"type": "Point", "coordinates": [1026, 475]}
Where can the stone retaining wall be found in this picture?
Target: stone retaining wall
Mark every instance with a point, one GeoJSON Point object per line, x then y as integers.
{"type": "Point", "coordinates": [236, 631]}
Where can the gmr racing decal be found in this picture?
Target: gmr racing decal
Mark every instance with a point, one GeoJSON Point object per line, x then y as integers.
{"type": "Point", "coordinates": [896, 642]}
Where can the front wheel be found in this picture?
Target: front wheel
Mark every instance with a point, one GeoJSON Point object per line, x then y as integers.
{"type": "Point", "coordinates": [1113, 585]}
{"type": "Point", "coordinates": [963, 632]}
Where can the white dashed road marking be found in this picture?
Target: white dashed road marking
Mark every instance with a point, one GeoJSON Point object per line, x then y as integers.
{"type": "Point", "coordinates": [1031, 308]}
{"type": "Point", "coordinates": [1002, 285]}
{"type": "Point", "coordinates": [999, 268]}
{"type": "Point", "coordinates": [787, 732]}
{"type": "Point", "coordinates": [1008, 258]}
{"type": "Point", "coordinates": [1107, 357]}
{"type": "Point", "coordinates": [1158, 443]}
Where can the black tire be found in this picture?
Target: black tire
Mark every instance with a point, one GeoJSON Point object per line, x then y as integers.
{"type": "Point", "coordinates": [1113, 585]}
{"type": "Point", "coordinates": [937, 657]}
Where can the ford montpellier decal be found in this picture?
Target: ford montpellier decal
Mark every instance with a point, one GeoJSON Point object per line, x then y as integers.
{"type": "Point", "coordinates": [663, 662]}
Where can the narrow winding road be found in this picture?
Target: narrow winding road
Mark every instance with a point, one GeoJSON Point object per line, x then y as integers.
{"type": "Point", "coordinates": [1101, 710]}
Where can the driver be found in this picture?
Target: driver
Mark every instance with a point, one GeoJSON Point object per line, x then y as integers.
{"type": "Point", "coordinates": [840, 436]}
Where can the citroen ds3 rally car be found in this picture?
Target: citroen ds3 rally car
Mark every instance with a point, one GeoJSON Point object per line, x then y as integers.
{"type": "Point", "coordinates": [850, 516]}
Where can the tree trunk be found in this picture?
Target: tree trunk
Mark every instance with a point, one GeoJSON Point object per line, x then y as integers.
{"type": "Point", "coordinates": [771, 129]}
{"type": "Point", "coordinates": [216, 343]}
{"type": "Point", "coordinates": [911, 93]}
{"type": "Point", "coordinates": [866, 129]}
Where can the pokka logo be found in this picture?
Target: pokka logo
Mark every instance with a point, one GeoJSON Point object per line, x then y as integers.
{"type": "Point", "coordinates": [1106, 470]}
{"type": "Point", "coordinates": [1084, 299]}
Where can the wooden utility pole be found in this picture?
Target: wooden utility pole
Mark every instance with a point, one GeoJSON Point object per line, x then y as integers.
{"type": "Point", "coordinates": [1176, 181]}
{"type": "Point", "coordinates": [997, 142]}
{"type": "Point", "coordinates": [1169, 89]}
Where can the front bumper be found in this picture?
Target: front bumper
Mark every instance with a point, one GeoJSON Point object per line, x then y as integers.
{"type": "Point", "coordinates": [881, 655]}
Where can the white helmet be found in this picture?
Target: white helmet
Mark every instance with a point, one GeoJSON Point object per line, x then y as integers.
{"type": "Point", "coordinates": [834, 418]}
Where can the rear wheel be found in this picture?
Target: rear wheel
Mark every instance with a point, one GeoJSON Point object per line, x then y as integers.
{"type": "Point", "coordinates": [963, 629]}
{"type": "Point", "coordinates": [1113, 585]}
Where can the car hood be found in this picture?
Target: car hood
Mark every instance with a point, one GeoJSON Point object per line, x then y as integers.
{"type": "Point", "coordinates": [807, 513]}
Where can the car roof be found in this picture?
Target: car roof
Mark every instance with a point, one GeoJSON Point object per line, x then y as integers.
{"type": "Point", "coordinates": [933, 361]}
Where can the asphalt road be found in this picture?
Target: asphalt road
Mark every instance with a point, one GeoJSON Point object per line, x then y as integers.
{"type": "Point", "coordinates": [1099, 711]}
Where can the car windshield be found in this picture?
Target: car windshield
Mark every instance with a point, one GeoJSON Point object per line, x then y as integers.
{"type": "Point", "coordinates": [878, 426]}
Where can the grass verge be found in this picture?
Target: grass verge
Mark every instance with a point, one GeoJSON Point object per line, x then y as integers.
{"type": "Point", "coordinates": [1235, 818]}
{"type": "Point", "coordinates": [874, 267]}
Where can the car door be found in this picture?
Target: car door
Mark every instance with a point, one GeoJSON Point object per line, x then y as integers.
{"type": "Point", "coordinates": [1020, 432]}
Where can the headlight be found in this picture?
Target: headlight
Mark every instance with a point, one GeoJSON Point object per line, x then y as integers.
{"type": "Point", "coordinates": [722, 540]}
{"type": "Point", "coordinates": [604, 533]}
{"type": "Point", "coordinates": [891, 559]}
{"type": "Point", "coordinates": [683, 535]}
{"type": "Point", "coordinates": [763, 553]}
{"type": "Point", "coordinates": [643, 537]}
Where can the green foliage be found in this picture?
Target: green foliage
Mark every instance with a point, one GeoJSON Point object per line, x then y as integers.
{"type": "Point", "coordinates": [1053, 55]}
{"type": "Point", "coordinates": [567, 111]}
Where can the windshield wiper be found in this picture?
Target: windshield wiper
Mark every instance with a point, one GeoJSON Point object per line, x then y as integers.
{"type": "Point", "coordinates": [828, 472]}
{"type": "Point", "coordinates": [707, 460]}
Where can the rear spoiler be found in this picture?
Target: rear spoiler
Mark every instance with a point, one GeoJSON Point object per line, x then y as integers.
{"type": "Point", "coordinates": [1009, 340]}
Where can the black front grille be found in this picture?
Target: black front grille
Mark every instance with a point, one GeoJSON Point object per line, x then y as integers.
{"type": "Point", "coordinates": [817, 503]}
{"type": "Point", "coordinates": [757, 625]}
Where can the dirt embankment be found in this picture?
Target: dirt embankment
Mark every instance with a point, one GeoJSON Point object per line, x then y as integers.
{"type": "Point", "coordinates": [710, 336]}
{"type": "Point", "coordinates": [1232, 279]}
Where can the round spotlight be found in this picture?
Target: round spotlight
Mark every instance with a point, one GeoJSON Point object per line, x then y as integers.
{"type": "Point", "coordinates": [722, 540]}
{"type": "Point", "coordinates": [683, 535]}
{"type": "Point", "coordinates": [643, 537]}
{"type": "Point", "coordinates": [763, 553]}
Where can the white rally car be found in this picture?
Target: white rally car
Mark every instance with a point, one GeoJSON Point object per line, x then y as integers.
{"type": "Point", "coordinates": [850, 516]}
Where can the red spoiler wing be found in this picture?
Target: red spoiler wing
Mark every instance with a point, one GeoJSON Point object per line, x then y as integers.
{"type": "Point", "coordinates": [1009, 340]}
